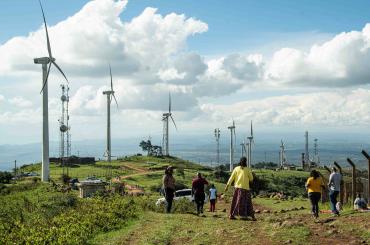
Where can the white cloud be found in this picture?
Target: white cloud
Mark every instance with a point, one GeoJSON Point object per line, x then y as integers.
{"type": "Point", "coordinates": [340, 108]}
{"type": "Point", "coordinates": [341, 61]}
{"type": "Point", "coordinates": [20, 102]}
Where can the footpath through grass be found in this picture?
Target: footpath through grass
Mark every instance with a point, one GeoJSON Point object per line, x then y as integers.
{"type": "Point", "coordinates": [272, 227]}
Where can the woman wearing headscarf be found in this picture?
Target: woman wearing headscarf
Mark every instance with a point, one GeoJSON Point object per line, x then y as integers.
{"type": "Point", "coordinates": [169, 187]}
{"type": "Point", "coordinates": [241, 204]}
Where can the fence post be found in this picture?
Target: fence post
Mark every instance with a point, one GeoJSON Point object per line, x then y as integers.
{"type": "Point", "coordinates": [341, 193]}
{"type": "Point", "coordinates": [368, 172]}
{"type": "Point", "coordinates": [353, 179]}
{"type": "Point", "coordinates": [325, 192]}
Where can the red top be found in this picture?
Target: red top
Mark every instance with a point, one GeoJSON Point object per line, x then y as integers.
{"type": "Point", "coordinates": [198, 185]}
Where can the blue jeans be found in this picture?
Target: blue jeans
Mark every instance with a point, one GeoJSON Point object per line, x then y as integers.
{"type": "Point", "coordinates": [333, 201]}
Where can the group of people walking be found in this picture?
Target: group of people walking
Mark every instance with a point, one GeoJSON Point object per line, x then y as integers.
{"type": "Point", "coordinates": [315, 185]}
{"type": "Point", "coordinates": [240, 178]}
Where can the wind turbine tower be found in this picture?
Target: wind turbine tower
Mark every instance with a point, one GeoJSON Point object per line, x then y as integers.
{"type": "Point", "coordinates": [110, 95]}
{"type": "Point", "coordinates": [64, 128]}
{"type": "Point", "coordinates": [282, 155]}
{"type": "Point", "coordinates": [217, 136]}
{"type": "Point", "coordinates": [165, 120]}
{"type": "Point", "coordinates": [306, 155]}
{"type": "Point", "coordinates": [251, 140]}
{"type": "Point", "coordinates": [46, 63]}
{"type": "Point", "coordinates": [316, 152]}
{"type": "Point", "coordinates": [232, 143]}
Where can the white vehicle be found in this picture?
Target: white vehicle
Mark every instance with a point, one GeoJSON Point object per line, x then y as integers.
{"type": "Point", "coordinates": [180, 194]}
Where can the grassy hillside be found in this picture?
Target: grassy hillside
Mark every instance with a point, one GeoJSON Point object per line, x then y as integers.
{"type": "Point", "coordinates": [36, 213]}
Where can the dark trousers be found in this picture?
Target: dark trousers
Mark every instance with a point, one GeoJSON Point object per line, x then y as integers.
{"type": "Point", "coordinates": [333, 195]}
{"type": "Point", "coordinates": [199, 200]}
{"type": "Point", "coordinates": [213, 205]}
{"type": "Point", "coordinates": [169, 194]}
{"type": "Point", "coordinates": [314, 199]}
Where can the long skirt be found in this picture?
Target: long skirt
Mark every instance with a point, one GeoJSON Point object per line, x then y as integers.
{"type": "Point", "coordinates": [242, 203]}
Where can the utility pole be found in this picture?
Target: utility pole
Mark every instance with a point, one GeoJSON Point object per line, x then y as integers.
{"type": "Point", "coordinates": [15, 168]}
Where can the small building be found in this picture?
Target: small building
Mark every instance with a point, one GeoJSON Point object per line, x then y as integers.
{"type": "Point", "coordinates": [89, 187]}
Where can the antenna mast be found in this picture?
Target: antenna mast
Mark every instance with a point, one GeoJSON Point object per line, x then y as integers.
{"type": "Point", "coordinates": [64, 146]}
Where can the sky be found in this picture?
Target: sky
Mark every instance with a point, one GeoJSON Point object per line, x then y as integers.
{"type": "Point", "coordinates": [289, 66]}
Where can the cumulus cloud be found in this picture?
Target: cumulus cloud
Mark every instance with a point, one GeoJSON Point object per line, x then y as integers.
{"type": "Point", "coordinates": [321, 108]}
{"type": "Point", "coordinates": [20, 102]}
{"type": "Point", "coordinates": [341, 61]}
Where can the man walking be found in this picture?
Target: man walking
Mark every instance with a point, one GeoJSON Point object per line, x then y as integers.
{"type": "Point", "coordinates": [334, 189]}
{"type": "Point", "coordinates": [198, 191]}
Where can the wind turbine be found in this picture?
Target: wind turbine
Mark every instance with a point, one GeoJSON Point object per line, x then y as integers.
{"type": "Point", "coordinates": [250, 138]}
{"type": "Point", "coordinates": [232, 143]}
{"type": "Point", "coordinates": [165, 119]}
{"type": "Point", "coordinates": [217, 136]}
{"type": "Point", "coordinates": [282, 155]}
{"type": "Point", "coordinates": [46, 63]}
{"type": "Point", "coordinates": [109, 94]}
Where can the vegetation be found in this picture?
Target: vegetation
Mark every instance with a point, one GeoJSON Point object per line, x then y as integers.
{"type": "Point", "coordinates": [37, 213]}
{"type": "Point", "coordinates": [5, 177]}
{"type": "Point", "coordinates": [265, 165]}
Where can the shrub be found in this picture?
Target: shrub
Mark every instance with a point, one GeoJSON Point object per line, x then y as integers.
{"type": "Point", "coordinates": [5, 177]}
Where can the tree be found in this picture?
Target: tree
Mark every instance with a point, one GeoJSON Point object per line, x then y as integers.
{"type": "Point", "coordinates": [146, 146]}
{"type": "Point", "coordinates": [5, 177]}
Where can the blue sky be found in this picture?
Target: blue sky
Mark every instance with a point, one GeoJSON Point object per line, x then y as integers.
{"type": "Point", "coordinates": [286, 65]}
{"type": "Point", "coordinates": [244, 24]}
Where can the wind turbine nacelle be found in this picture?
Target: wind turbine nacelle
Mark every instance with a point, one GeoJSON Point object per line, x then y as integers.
{"type": "Point", "coordinates": [43, 60]}
{"type": "Point", "coordinates": [108, 92]}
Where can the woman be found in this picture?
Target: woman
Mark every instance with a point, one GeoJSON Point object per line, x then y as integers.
{"type": "Point", "coordinates": [169, 187]}
{"type": "Point", "coordinates": [314, 185]}
{"type": "Point", "coordinates": [242, 198]}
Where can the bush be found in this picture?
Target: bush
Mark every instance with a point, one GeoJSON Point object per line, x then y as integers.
{"type": "Point", "coordinates": [44, 216]}
{"type": "Point", "coordinates": [5, 177]}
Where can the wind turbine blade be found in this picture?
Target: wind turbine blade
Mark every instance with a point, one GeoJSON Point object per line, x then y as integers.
{"type": "Point", "coordinates": [55, 64]}
{"type": "Point", "coordinates": [251, 128]}
{"type": "Point", "coordinates": [46, 79]}
{"type": "Point", "coordinates": [169, 102]}
{"type": "Point", "coordinates": [111, 79]}
{"type": "Point", "coordinates": [115, 100]}
{"type": "Point", "coordinates": [173, 122]}
{"type": "Point", "coordinates": [46, 29]}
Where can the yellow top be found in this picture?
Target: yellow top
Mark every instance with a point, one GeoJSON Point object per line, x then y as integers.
{"type": "Point", "coordinates": [241, 178]}
{"type": "Point", "coordinates": [314, 185]}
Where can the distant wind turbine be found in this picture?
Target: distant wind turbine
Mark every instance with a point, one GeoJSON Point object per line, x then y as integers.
{"type": "Point", "coordinates": [46, 63]}
{"type": "Point", "coordinates": [165, 119]}
{"type": "Point", "coordinates": [109, 94]}
{"type": "Point", "coordinates": [232, 145]}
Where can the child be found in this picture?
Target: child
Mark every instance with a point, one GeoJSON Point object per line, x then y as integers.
{"type": "Point", "coordinates": [212, 198]}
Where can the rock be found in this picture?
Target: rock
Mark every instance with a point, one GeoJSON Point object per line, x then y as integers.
{"type": "Point", "coordinates": [266, 211]}
{"type": "Point", "coordinates": [288, 242]}
{"type": "Point", "coordinates": [257, 211]}
{"type": "Point", "coordinates": [220, 231]}
{"type": "Point", "coordinates": [331, 232]}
